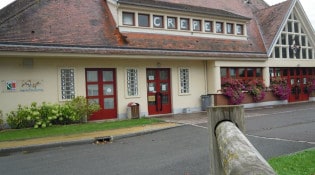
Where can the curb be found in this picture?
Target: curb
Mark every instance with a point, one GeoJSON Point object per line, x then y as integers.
{"type": "Point", "coordinates": [30, 148]}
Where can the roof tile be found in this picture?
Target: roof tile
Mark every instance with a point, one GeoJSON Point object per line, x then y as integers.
{"type": "Point", "coordinates": [87, 25]}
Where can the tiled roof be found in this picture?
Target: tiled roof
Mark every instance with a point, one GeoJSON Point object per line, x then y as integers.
{"type": "Point", "coordinates": [62, 22]}
{"type": "Point", "coordinates": [182, 7]}
{"type": "Point", "coordinates": [270, 20]}
{"type": "Point", "coordinates": [87, 27]}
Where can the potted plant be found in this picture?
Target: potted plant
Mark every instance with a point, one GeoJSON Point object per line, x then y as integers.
{"type": "Point", "coordinates": [256, 88]}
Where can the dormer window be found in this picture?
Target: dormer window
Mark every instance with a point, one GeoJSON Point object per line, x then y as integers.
{"type": "Point", "coordinates": [151, 22]}
{"type": "Point", "coordinates": [144, 20]}
{"type": "Point", "coordinates": [129, 18]}
{"type": "Point", "coordinates": [196, 25]}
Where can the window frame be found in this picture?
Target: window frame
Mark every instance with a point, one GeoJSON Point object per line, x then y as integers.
{"type": "Point", "coordinates": [210, 24]}
{"type": "Point", "coordinates": [237, 70]}
{"type": "Point", "coordinates": [219, 25]}
{"type": "Point", "coordinates": [160, 17]}
{"type": "Point", "coordinates": [148, 19]}
{"type": "Point", "coordinates": [230, 28]}
{"type": "Point", "coordinates": [134, 90]}
{"type": "Point", "coordinates": [133, 15]}
{"type": "Point", "coordinates": [198, 22]}
{"type": "Point", "coordinates": [184, 81]}
{"type": "Point", "coordinates": [175, 22]}
{"type": "Point", "coordinates": [188, 23]}
{"type": "Point", "coordinates": [241, 32]}
{"type": "Point", "coordinates": [64, 86]}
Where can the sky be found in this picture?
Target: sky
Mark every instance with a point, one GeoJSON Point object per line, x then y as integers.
{"type": "Point", "coordinates": [307, 5]}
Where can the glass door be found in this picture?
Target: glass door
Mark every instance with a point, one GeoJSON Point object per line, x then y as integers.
{"type": "Point", "coordinates": [101, 89]}
{"type": "Point", "coordinates": [158, 91]}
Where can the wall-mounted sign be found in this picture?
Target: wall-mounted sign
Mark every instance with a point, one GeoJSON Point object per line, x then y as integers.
{"type": "Point", "coordinates": [21, 85]}
{"type": "Point", "coordinates": [10, 85]}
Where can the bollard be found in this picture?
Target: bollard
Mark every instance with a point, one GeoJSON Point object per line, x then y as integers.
{"type": "Point", "coordinates": [224, 157]}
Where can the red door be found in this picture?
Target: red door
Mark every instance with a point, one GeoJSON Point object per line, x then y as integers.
{"type": "Point", "coordinates": [298, 80]}
{"type": "Point", "coordinates": [101, 89]}
{"type": "Point", "coordinates": [159, 91]}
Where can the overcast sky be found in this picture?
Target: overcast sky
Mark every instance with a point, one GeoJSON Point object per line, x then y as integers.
{"type": "Point", "coordinates": [307, 5]}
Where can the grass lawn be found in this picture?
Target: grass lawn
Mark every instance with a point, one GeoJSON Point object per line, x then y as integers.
{"type": "Point", "coordinates": [302, 163]}
{"type": "Point", "coordinates": [21, 134]}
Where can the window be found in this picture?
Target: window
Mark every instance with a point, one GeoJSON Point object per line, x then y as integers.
{"type": "Point", "coordinates": [171, 23]}
{"type": "Point", "coordinates": [229, 28]}
{"type": "Point", "coordinates": [184, 80]}
{"type": "Point", "coordinates": [128, 18]}
{"type": "Point", "coordinates": [158, 21]}
{"type": "Point", "coordinates": [239, 29]}
{"type": "Point", "coordinates": [277, 52]}
{"type": "Point", "coordinates": [223, 72]}
{"type": "Point", "coordinates": [293, 42]}
{"type": "Point", "coordinates": [243, 74]}
{"type": "Point", "coordinates": [196, 25]}
{"type": "Point", "coordinates": [208, 26]}
{"type": "Point", "coordinates": [144, 20]}
{"type": "Point", "coordinates": [174, 22]}
{"type": "Point", "coordinates": [132, 82]}
{"type": "Point", "coordinates": [67, 84]}
{"type": "Point", "coordinates": [219, 27]}
{"type": "Point", "coordinates": [184, 24]}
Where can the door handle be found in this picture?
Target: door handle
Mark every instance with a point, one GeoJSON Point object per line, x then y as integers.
{"type": "Point", "coordinates": [156, 101]}
{"type": "Point", "coordinates": [161, 101]}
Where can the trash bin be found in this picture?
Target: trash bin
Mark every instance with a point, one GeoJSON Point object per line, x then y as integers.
{"type": "Point", "coordinates": [133, 111]}
{"type": "Point", "coordinates": [205, 102]}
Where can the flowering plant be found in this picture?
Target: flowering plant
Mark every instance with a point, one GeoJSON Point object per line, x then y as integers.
{"type": "Point", "coordinates": [256, 88]}
{"type": "Point", "coordinates": [310, 86]}
{"type": "Point", "coordinates": [280, 88]}
{"type": "Point", "coordinates": [232, 89]}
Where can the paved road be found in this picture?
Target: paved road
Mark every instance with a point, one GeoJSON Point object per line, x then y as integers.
{"type": "Point", "coordinates": [179, 151]}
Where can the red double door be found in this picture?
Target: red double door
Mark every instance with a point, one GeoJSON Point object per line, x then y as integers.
{"type": "Point", "coordinates": [101, 89]}
{"type": "Point", "coordinates": [159, 91]}
{"type": "Point", "coordinates": [298, 78]}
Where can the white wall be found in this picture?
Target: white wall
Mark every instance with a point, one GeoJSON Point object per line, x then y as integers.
{"type": "Point", "coordinates": [46, 71]}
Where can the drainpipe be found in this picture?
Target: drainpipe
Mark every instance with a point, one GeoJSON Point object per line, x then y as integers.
{"type": "Point", "coordinates": [205, 63]}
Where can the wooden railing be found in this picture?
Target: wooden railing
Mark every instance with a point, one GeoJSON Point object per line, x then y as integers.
{"type": "Point", "coordinates": [231, 153]}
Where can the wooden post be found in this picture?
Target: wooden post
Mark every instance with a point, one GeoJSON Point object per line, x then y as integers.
{"type": "Point", "coordinates": [238, 155]}
{"type": "Point", "coordinates": [230, 151]}
{"type": "Point", "coordinates": [216, 115]}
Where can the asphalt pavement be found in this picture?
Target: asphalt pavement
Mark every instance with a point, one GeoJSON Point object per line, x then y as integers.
{"type": "Point", "coordinates": [264, 122]}
{"type": "Point", "coordinates": [182, 148]}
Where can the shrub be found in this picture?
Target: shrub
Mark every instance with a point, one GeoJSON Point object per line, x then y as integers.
{"type": "Point", "coordinates": [232, 89]}
{"type": "Point", "coordinates": [310, 86]}
{"type": "Point", "coordinates": [1, 121]}
{"type": "Point", "coordinates": [48, 114]}
{"type": "Point", "coordinates": [21, 118]}
{"type": "Point", "coordinates": [280, 88]}
{"type": "Point", "coordinates": [256, 88]}
{"type": "Point", "coordinates": [82, 108]}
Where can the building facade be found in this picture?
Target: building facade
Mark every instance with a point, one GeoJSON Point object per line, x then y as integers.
{"type": "Point", "coordinates": [162, 54]}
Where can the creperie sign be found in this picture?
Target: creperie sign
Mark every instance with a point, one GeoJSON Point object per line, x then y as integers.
{"type": "Point", "coordinates": [171, 23]}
